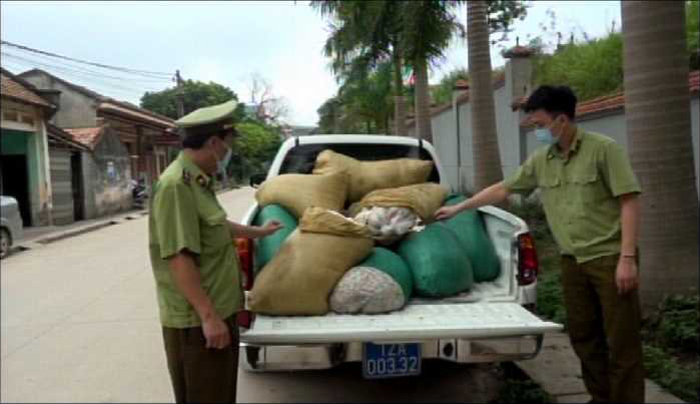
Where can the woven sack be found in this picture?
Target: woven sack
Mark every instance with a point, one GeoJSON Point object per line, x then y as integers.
{"type": "Point", "coordinates": [297, 192]}
{"type": "Point", "coordinates": [367, 176]}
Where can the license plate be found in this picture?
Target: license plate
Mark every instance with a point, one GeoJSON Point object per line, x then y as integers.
{"type": "Point", "coordinates": [391, 360]}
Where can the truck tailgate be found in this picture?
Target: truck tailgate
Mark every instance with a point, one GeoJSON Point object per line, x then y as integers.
{"type": "Point", "coordinates": [413, 323]}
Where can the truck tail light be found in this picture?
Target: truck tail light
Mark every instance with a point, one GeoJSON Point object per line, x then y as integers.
{"type": "Point", "coordinates": [245, 247]}
{"type": "Point", "coordinates": [528, 266]}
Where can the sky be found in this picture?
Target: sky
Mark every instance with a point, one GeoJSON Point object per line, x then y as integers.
{"type": "Point", "coordinates": [229, 42]}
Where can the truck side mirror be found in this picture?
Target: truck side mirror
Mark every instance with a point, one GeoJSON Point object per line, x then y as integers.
{"type": "Point", "coordinates": [257, 179]}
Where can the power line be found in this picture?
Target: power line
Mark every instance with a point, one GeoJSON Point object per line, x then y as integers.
{"type": "Point", "coordinates": [82, 70]}
{"type": "Point", "coordinates": [122, 69]}
{"type": "Point", "coordinates": [109, 87]}
{"type": "Point", "coordinates": [73, 72]}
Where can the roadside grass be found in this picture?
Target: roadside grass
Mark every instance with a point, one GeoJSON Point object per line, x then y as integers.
{"type": "Point", "coordinates": [669, 333]}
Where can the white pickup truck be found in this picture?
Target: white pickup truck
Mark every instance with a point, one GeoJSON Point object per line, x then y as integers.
{"type": "Point", "coordinates": [492, 322]}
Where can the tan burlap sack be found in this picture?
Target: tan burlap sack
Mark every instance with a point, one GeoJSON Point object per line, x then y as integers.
{"type": "Point", "coordinates": [324, 221]}
{"type": "Point", "coordinates": [300, 278]}
{"type": "Point", "coordinates": [367, 176]}
{"type": "Point", "coordinates": [424, 199]}
{"type": "Point", "coordinates": [297, 192]}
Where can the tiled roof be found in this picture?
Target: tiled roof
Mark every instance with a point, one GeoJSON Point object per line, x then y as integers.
{"type": "Point", "coordinates": [86, 136]}
{"type": "Point", "coordinates": [518, 52]}
{"type": "Point", "coordinates": [608, 103]}
{"type": "Point", "coordinates": [125, 109]}
{"type": "Point", "coordinates": [59, 135]}
{"type": "Point", "coordinates": [13, 88]}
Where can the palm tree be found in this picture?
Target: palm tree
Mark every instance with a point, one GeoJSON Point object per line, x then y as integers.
{"type": "Point", "coordinates": [365, 35]}
{"type": "Point", "coordinates": [657, 113]}
{"type": "Point", "coordinates": [487, 159]}
{"type": "Point", "coordinates": [428, 26]}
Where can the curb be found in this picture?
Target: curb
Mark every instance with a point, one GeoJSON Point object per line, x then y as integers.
{"type": "Point", "coordinates": [64, 234]}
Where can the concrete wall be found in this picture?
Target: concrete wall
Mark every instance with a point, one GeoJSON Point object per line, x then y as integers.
{"type": "Point", "coordinates": [106, 176]}
{"type": "Point", "coordinates": [76, 110]}
{"type": "Point", "coordinates": [453, 141]}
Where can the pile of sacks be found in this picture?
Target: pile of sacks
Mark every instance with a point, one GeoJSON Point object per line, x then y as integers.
{"type": "Point", "coordinates": [374, 255]}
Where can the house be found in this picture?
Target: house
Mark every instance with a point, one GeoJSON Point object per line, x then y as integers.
{"type": "Point", "coordinates": [24, 149]}
{"type": "Point", "coordinates": [149, 138]}
{"type": "Point", "coordinates": [67, 185]}
{"type": "Point", "coordinates": [105, 172]}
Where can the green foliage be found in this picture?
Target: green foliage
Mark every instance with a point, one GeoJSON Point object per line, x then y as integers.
{"type": "Point", "coordinates": [674, 325]}
{"type": "Point", "coordinates": [503, 13]}
{"type": "Point", "coordinates": [366, 34]}
{"type": "Point", "coordinates": [591, 69]}
{"type": "Point", "coordinates": [363, 104]}
{"type": "Point", "coordinates": [197, 94]}
{"type": "Point", "coordinates": [522, 391]}
{"type": "Point", "coordinates": [680, 380]}
{"type": "Point", "coordinates": [443, 92]}
{"type": "Point", "coordinates": [256, 145]}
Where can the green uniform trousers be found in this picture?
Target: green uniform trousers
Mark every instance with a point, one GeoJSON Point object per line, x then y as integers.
{"type": "Point", "coordinates": [604, 328]}
{"type": "Point", "coordinates": [198, 374]}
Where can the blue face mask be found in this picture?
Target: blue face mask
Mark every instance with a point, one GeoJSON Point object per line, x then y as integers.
{"type": "Point", "coordinates": [544, 135]}
{"type": "Point", "coordinates": [223, 163]}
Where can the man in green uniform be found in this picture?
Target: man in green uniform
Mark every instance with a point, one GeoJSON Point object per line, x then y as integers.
{"type": "Point", "coordinates": [195, 264]}
{"type": "Point", "coordinates": [590, 197]}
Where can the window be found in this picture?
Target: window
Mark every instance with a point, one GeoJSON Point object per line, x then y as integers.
{"type": "Point", "coordinates": [301, 159]}
{"type": "Point", "coordinates": [10, 116]}
{"type": "Point", "coordinates": [28, 119]}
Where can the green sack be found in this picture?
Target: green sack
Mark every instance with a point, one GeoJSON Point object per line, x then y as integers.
{"type": "Point", "coordinates": [393, 265]}
{"type": "Point", "coordinates": [439, 264]}
{"type": "Point", "coordinates": [267, 247]}
{"type": "Point", "coordinates": [470, 230]}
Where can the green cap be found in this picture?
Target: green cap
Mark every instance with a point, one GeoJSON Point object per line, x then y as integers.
{"type": "Point", "coordinates": [214, 118]}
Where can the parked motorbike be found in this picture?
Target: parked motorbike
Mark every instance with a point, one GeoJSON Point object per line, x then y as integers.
{"type": "Point", "coordinates": [139, 194]}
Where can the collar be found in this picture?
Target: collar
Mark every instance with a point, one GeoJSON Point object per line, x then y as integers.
{"type": "Point", "coordinates": [555, 151]}
{"type": "Point", "coordinates": [191, 171]}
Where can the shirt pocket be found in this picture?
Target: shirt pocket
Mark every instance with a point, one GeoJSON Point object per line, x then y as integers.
{"type": "Point", "coordinates": [550, 188]}
{"type": "Point", "coordinates": [588, 186]}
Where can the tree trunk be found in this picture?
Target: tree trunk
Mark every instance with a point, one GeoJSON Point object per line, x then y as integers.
{"type": "Point", "coordinates": [487, 158]}
{"type": "Point", "coordinates": [399, 102]}
{"type": "Point", "coordinates": [657, 114]}
{"type": "Point", "coordinates": [423, 124]}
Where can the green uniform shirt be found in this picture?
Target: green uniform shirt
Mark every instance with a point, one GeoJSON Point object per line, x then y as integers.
{"type": "Point", "coordinates": [185, 215]}
{"type": "Point", "coordinates": [579, 194]}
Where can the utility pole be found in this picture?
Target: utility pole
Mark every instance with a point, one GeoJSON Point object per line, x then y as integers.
{"type": "Point", "coordinates": [180, 96]}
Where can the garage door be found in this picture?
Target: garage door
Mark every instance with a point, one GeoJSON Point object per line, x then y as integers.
{"type": "Point", "coordinates": [61, 186]}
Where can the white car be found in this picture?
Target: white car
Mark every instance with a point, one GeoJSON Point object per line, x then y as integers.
{"type": "Point", "coordinates": [10, 224]}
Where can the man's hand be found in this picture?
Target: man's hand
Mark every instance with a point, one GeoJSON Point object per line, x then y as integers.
{"type": "Point", "coordinates": [626, 275]}
{"type": "Point", "coordinates": [216, 333]}
{"type": "Point", "coordinates": [446, 212]}
{"type": "Point", "coordinates": [271, 227]}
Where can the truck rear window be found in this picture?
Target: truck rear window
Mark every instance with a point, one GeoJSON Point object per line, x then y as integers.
{"type": "Point", "coordinates": [301, 159]}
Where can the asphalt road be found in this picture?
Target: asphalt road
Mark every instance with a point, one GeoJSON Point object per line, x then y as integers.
{"type": "Point", "coordinates": [79, 323]}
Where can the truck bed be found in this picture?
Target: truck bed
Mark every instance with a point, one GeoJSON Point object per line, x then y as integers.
{"type": "Point", "coordinates": [489, 309]}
